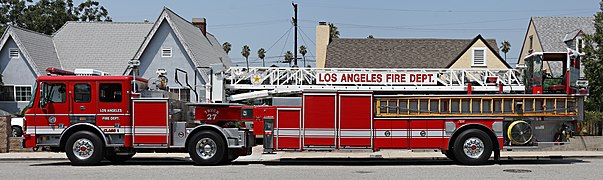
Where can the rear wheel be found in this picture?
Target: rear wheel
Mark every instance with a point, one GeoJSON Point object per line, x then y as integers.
{"type": "Point", "coordinates": [472, 147]}
{"type": "Point", "coordinates": [207, 148]}
{"type": "Point", "coordinates": [84, 149]}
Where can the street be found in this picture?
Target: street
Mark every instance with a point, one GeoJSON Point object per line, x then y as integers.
{"type": "Point", "coordinates": [181, 168]}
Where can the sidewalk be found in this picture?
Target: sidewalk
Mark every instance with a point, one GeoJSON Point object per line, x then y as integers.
{"type": "Point", "coordinates": [257, 155]}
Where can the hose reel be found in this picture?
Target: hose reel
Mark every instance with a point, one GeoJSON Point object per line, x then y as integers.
{"type": "Point", "coordinates": [520, 132]}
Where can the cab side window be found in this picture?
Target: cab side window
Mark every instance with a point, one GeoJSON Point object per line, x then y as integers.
{"type": "Point", "coordinates": [81, 93]}
{"type": "Point", "coordinates": [110, 92]}
{"type": "Point", "coordinates": [55, 93]}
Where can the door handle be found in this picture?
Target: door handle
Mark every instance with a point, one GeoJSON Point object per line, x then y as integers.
{"type": "Point", "coordinates": [82, 108]}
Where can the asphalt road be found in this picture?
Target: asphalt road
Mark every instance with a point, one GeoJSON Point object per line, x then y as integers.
{"type": "Point", "coordinates": [312, 169]}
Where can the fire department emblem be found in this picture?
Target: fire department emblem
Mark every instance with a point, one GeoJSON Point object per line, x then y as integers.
{"type": "Point", "coordinates": [423, 133]}
{"type": "Point", "coordinates": [387, 133]}
{"type": "Point", "coordinates": [256, 79]}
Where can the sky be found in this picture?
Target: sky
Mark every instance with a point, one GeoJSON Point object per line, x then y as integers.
{"type": "Point", "coordinates": [267, 23]}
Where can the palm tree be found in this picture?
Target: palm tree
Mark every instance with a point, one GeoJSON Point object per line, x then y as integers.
{"type": "Point", "coordinates": [262, 55]}
{"type": "Point", "coordinates": [288, 57]}
{"type": "Point", "coordinates": [333, 32]}
{"type": "Point", "coordinates": [226, 46]}
{"type": "Point", "coordinates": [245, 53]}
{"type": "Point", "coordinates": [370, 37]}
{"type": "Point", "coordinates": [505, 46]}
{"type": "Point", "coordinates": [303, 51]}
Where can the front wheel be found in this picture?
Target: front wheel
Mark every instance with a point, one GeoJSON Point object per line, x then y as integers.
{"type": "Point", "coordinates": [472, 147]}
{"type": "Point", "coordinates": [84, 149]}
{"type": "Point", "coordinates": [207, 148]}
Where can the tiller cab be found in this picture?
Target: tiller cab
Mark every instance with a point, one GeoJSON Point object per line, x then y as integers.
{"type": "Point", "coordinates": [467, 114]}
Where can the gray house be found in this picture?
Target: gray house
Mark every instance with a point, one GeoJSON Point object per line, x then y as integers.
{"type": "Point", "coordinates": [170, 42]}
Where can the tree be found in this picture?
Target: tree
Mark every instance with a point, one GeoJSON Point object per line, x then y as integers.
{"type": "Point", "coordinates": [593, 63]}
{"type": "Point", "coordinates": [47, 16]}
{"type": "Point", "coordinates": [262, 55]}
{"type": "Point", "coordinates": [91, 11]}
{"type": "Point", "coordinates": [303, 51]}
{"type": "Point", "coordinates": [288, 57]}
{"type": "Point", "coordinates": [505, 46]}
{"type": "Point", "coordinates": [370, 37]}
{"type": "Point", "coordinates": [333, 32]}
{"type": "Point", "coordinates": [226, 46]}
{"type": "Point", "coordinates": [245, 53]}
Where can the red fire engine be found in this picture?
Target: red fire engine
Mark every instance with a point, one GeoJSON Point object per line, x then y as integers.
{"type": "Point", "coordinates": [468, 114]}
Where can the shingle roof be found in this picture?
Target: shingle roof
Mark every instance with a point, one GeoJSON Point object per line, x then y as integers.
{"type": "Point", "coordinates": [106, 46]}
{"type": "Point", "coordinates": [37, 47]}
{"type": "Point", "coordinates": [203, 50]}
{"type": "Point", "coordinates": [552, 30]}
{"type": "Point", "coordinates": [200, 46]}
{"type": "Point", "coordinates": [396, 53]}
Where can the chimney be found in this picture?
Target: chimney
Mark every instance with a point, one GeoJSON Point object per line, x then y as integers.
{"type": "Point", "coordinates": [201, 24]}
{"type": "Point", "coordinates": [322, 41]}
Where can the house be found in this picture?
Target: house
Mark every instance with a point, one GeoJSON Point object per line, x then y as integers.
{"type": "Point", "coordinates": [408, 53]}
{"type": "Point", "coordinates": [555, 34]}
{"type": "Point", "coordinates": [170, 42]}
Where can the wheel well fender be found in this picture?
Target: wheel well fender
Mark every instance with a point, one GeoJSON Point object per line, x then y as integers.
{"type": "Point", "coordinates": [481, 127]}
{"type": "Point", "coordinates": [206, 127]}
{"type": "Point", "coordinates": [80, 127]}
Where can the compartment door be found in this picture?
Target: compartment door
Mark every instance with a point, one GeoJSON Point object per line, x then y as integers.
{"type": "Point", "coordinates": [319, 117]}
{"type": "Point", "coordinates": [150, 124]}
{"type": "Point", "coordinates": [288, 128]}
{"type": "Point", "coordinates": [355, 120]}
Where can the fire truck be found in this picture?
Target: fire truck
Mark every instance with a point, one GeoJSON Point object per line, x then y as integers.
{"type": "Point", "coordinates": [467, 114]}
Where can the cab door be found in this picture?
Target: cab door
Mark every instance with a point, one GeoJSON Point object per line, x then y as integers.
{"type": "Point", "coordinates": [83, 105]}
{"type": "Point", "coordinates": [53, 115]}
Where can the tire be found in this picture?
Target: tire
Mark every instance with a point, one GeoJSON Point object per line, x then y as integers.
{"type": "Point", "coordinates": [17, 131]}
{"type": "Point", "coordinates": [207, 148]}
{"type": "Point", "coordinates": [84, 149]}
{"type": "Point", "coordinates": [118, 158]}
{"type": "Point", "coordinates": [450, 154]}
{"type": "Point", "coordinates": [472, 147]}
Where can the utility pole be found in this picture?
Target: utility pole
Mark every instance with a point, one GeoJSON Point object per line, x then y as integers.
{"type": "Point", "coordinates": [295, 36]}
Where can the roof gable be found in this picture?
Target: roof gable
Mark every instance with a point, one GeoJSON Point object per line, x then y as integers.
{"type": "Point", "coordinates": [554, 31]}
{"type": "Point", "coordinates": [37, 48]}
{"type": "Point", "coordinates": [488, 45]}
{"type": "Point", "coordinates": [397, 53]}
{"type": "Point", "coordinates": [202, 50]}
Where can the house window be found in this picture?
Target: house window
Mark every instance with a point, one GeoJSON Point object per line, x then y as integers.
{"type": "Point", "coordinates": [531, 42]}
{"type": "Point", "coordinates": [184, 94]}
{"type": "Point", "coordinates": [13, 53]}
{"type": "Point", "coordinates": [479, 57]}
{"type": "Point", "coordinates": [81, 93]}
{"type": "Point", "coordinates": [166, 52]}
{"type": "Point", "coordinates": [7, 93]}
{"type": "Point", "coordinates": [579, 45]}
{"type": "Point", "coordinates": [15, 93]}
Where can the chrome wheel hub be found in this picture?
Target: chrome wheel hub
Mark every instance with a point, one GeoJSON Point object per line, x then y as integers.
{"type": "Point", "coordinates": [206, 148]}
{"type": "Point", "coordinates": [83, 148]}
{"type": "Point", "coordinates": [473, 147]}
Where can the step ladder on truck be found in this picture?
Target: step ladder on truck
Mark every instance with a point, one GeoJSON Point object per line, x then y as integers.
{"type": "Point", "coordinates": [466, 113]}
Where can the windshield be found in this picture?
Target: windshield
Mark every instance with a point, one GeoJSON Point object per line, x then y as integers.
{"type": "Point", "coordinates": [34, 95]}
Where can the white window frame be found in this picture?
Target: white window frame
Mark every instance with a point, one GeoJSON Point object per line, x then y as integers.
{"type": "Point", "coordinates": [578, 48]}
{"type": "Point", "coordinates": [473, 56]}
{"type": "Point", "coordinates": [179, 89]}
{"type": "Point", "coordinates": [164, 49]}
{"type": "Point", "coordinates": [15, 92]}
{"type": "Point", "coordinates": [10, 50]}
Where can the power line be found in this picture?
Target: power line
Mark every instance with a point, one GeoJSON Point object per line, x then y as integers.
{"type": "Point", "coordinates": [279, 39]}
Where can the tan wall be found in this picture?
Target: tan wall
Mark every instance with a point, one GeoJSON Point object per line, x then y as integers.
{"type": "Point", "coordinates": [322, 40]}
{"type": "Point", "coordinates": [492, 61]}
{"type": "Point", "coordinates": [526, 43]}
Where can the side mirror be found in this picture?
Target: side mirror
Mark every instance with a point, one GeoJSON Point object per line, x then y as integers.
{"type": "Point", "coordinates": [43, 99]}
